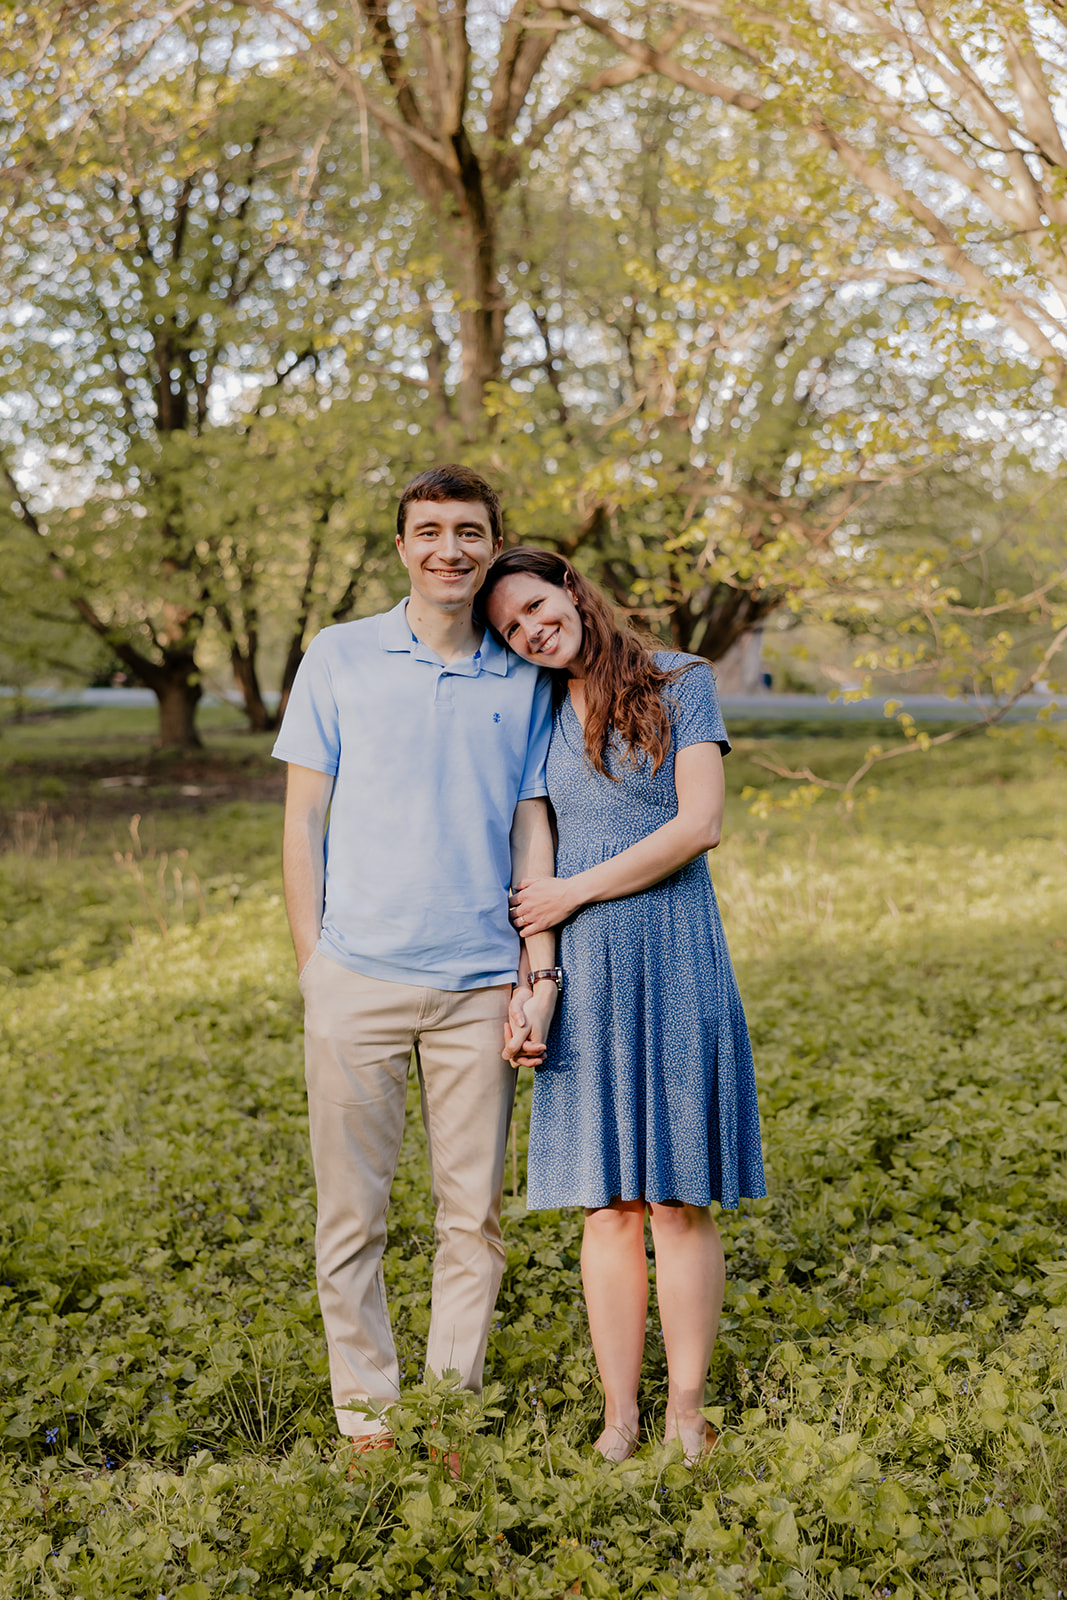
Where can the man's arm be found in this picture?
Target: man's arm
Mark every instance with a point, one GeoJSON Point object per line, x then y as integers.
{"type": "Point", "coordinates": [307, 800]}
{"type": "Point", "coordinates": [533, 854]}
{"type": "Point", "coordinates": [533, 850]}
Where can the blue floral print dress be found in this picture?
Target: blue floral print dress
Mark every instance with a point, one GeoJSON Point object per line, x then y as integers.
{"type": "Point", "coordinates": [648, 1087]}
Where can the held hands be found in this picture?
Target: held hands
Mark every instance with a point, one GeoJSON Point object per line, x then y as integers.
{"type": "Point", "coordinates": [527, 1024]}
{"type": "Point", "coordinates": [541, 903]}
{"type": "Point", "coordinates": [535, 906]}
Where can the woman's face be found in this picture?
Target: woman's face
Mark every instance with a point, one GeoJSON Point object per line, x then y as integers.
{"type": "Point", "coordinates": [539, 620]}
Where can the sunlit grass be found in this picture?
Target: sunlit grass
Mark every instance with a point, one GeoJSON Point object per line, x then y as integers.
{"type": "Point", "coordinates": [890, 1381]}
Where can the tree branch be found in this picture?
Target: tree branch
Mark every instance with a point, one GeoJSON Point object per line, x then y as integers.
{"type": "Point", "coordinates": [454, 21]}
{"type": "Point", "coordinates": [1036, 102]}
{"type": "Point", "coordinates": [881, 182]}
{"type": "Point", "coordinates": [875, 757]}
{"type": "Point", "coordinates": [510, 163]}
{"type": "Point", "coordinates": [1014, 604]}
{"type": "Point", "coordinates": [410, 134]}
{"type": "Point", "coordinates": [709, 16]}
{"type": "Point", "coordinates": [520, 58]}
{"type": "Point", "coordinates": [376, 13]}
{"type": "Point", "coordinates": [653, 60]}
{"type": "Point", "coordinates": [145, 669]}
{"type": "Point", "coordinates": [435, 75]}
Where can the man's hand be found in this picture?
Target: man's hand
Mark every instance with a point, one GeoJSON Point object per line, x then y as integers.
{"type": "Point", "coordinates": [528, 1021]}
{"type": "Point", "coordinates": [532, 861]}
{"type": "Point", "coordinates": [516, 1027]}
{"type": "Point", "coordinates": [539, 1013]}
{"type": "Point", "coordinates": [539, 904]}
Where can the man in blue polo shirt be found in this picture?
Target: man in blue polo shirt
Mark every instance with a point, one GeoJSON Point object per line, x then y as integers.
{"type": "Point", "coordinates": [423, 741]}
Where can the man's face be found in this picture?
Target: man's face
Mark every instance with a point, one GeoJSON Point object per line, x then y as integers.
{"type": "Point", "coordinates": [447, 546]}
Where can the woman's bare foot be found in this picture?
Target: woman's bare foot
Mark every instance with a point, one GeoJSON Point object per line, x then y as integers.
{"type": "Point", "coordinates": [618, 1443]}
{"type": "Point", "coordinates": [694, 1433]}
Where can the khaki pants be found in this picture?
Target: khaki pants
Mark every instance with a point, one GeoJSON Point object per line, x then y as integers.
{"type": "Point", "coordinates": [359, 1034]}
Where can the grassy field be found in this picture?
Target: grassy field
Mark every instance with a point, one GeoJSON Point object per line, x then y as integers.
{"type": "Point", "coordinates": [891, 1379]}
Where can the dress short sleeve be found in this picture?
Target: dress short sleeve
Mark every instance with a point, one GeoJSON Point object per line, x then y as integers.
{"type": "Point", "coordinates": [693, 701]}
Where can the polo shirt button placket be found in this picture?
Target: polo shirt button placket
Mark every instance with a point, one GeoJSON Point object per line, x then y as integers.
{"type": "Point", "coordinates": [443, 693]}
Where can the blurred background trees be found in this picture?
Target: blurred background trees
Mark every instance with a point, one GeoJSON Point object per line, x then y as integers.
{"type": "Point", "coordinates": [664, 274]}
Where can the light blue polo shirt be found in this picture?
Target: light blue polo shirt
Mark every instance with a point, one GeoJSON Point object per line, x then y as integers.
{"type": "Point", "coordinates": [431, 761]}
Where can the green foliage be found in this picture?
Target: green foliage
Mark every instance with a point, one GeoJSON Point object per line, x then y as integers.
{"type": "Point", "coordinates": [159, 282]}
{"type": "Point", "coordinates": [986, 542]}
{"type": "Point", "coordinates": [240, 313]}
{"type": "Point", "coordinates": [890, 1380]}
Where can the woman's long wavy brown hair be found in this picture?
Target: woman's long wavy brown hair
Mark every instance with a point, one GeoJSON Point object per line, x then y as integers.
{"type": "Point", "coordinates": [623, 685]}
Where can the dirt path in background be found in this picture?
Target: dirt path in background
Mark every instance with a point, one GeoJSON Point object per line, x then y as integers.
{"type": "Point", "coordinates": [35, 794]}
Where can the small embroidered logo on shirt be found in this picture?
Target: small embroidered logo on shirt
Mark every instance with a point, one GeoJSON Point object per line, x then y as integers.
{"type": "Point", "coordinates": [496, 716]}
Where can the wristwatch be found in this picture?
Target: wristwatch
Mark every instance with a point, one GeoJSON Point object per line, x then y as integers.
{"type": "Point", "coordinates": [555, 973]}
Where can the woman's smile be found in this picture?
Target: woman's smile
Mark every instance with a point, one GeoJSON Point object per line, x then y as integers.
{"type": "Point", "coordinates": [546, 645]}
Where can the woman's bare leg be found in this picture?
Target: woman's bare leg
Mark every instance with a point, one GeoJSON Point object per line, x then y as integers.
{"type": "Point", "coordinates": [690, 1281]}
{"type": "Point", "coordinates": [615, 1279]}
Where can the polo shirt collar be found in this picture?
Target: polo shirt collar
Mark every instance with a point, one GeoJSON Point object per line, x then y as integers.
{"type": "Point", "coordinates": [393, 630]}
{"type": "Point", "coordinates": [494, 655]}
{"type": "Point", "coordinates": [394, 634]}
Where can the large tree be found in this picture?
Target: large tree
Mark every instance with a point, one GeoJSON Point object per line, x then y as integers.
{"type": "Point", "coordinates": [708, 412]}
{"type": "Point", "coordinates": [465, 100]}
{"type": "Point", "coordinates": [952, 118]}
{"type": "Point", "coordinates": [655, 314]}
{"type": "Point", "coordinates": [155, 261]}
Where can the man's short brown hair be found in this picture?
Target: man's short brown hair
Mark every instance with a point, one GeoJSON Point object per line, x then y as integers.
{"type": "Point", "coordinates": [451, 482]}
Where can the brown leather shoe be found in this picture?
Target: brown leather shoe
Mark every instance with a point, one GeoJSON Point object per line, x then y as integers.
{"type": "Point", "coordinates": [451, 1460]}
{"type": "Point", "coordinates": [363, 1446]}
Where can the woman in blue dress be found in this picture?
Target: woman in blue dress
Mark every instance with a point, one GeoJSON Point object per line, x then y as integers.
{"type": "Point", "coordinates": [645, 1102]}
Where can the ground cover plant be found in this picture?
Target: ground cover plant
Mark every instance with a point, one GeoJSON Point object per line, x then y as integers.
{"type": "Point", "coordinates": [891, 1378]}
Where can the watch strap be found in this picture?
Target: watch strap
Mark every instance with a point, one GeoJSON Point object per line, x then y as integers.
{"type": "Point", "coordinates": [555, 973]}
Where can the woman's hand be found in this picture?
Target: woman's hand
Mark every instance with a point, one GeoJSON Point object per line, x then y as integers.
{"type": "Point", "coordinates": [539, 904]}
{"type": "Point", "coordinates": [524, 1029]}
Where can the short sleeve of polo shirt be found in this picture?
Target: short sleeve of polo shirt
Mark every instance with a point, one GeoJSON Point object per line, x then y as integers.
{"type": "Point", "coordinates": [310, 734]}
{"type": "Point", "coordinates": [695, 714]}
{"type": "Point", "coordinates": [534, 785]}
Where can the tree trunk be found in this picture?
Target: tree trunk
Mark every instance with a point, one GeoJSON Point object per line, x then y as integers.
{"type": "Point", "coordinates": [481, 320]}
{"type": "Point", "coordinates": [178, 692]}
{"type": "Point", "coordinates": [294, 656]}
{"type": "Point", "coordinates": [739, 670]}
{"type": "Point", "coordinates": [709, 623]}
{"type": "Point", "coordinates": [260, 720]}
